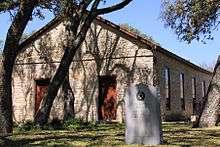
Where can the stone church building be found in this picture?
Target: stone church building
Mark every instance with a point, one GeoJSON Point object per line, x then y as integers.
{"type": "Point", "coordinates": [109, 60]}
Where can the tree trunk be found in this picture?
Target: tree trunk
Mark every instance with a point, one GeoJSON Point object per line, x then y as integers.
{"type": "Point", "coordinates": [209, 116]}
{"type": "Point", "coordinates": [68, 99]}
{"type": "Point", "coordinates": [78, 28]}
{"type": "Point", "coordinates": [11, 50]}
{"type": "Point", "coordinates": [6, 121]}
{"type": "Point", "coordinates": [43, 114]}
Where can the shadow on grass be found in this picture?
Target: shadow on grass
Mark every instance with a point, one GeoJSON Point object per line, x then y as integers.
{"type": "Point", "coordinates": [96, 134]}
{"type": "Point", "coordinates": [110, 135]}
{"type": "Point", "coordinates": [51, 139]}
{"type": "Point", "coordinates": [184, 135]}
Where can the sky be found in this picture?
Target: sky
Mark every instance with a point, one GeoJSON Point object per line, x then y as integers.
{"type": "Point", "coordinates": [145, 16]}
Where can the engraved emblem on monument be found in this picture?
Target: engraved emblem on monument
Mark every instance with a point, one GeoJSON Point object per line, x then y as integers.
{"type": "Point", "coordinates": [140, 95]}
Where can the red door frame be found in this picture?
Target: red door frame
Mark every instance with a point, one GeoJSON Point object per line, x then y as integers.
{"type": "Point", "coordinates": [42, 84]}
{"type": "Point", "coordinates": [107, 98]}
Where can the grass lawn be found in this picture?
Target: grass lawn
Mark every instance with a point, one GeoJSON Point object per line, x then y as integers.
{"type": "Point", "coordinates": [109, 135]}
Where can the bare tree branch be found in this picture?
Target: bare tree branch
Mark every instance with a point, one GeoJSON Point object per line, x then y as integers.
{"type": "Point", "coordinates": [113, 8]}
{"type": "Point", "coordinates": [85, 3]}
{"type": "Point", "coordinates": [95, 5]}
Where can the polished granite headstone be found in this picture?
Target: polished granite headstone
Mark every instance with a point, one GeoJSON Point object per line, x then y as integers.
{"type": "Point", "coordinates": [142, 115]}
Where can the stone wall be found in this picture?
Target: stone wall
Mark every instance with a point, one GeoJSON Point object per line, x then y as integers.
{"type": "Point", "coordinates": [38, 61]}
{"type": "Point", "coordinates": [176, 67]}
{"type": "Point", "coordinates": [105, 52]}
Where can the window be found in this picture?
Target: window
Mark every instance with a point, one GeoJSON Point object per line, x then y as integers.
{"type": "Point", "coordinates": [193, 87]}
{"type": "Point", "coordinates": [194, 93]}
{"type": "Point", "coordinates": [167, 87]}
{"type": "Point", "coordinates": [182, 91]}
{"type": "Point", "coordinates": [203, 89]}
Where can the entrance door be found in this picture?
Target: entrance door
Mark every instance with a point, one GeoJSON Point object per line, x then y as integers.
{"type": "Point", "coordinates": [107, 98]}
{"type": "Point", "coordinates": [41, 88]}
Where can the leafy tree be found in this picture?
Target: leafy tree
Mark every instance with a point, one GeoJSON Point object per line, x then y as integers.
{"type": "Point", "coordinates": [138, 32]}
{"type": "Point", "coordinates": [80, 14]}
{"type": "Point", "coordinates": [22, 11]}
{"type": "Point", "coordinates": [193, 19]}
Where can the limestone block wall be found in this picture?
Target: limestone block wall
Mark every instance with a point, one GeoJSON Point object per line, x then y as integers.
{"type": "Point", "coordinates": [176, 67]}
{"type": "Point", "coordinates": [24, 91]}
{"type": "Point", "coordinates": [85, 85]}
{"type": "Point", "coordinates": [39, 60]}
{"type": "Point", "coordinates": [106, 51]}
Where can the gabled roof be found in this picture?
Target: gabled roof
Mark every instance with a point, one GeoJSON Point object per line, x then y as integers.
{"type": "Point", "coordinates": [57, 20]}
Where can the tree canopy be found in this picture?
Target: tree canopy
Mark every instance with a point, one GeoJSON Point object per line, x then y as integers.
{"type": "Point", "coordinates": [138, 32]}
{"type": "Point", "coordinates": [80, 13]}
{"type": "Point", "coordinates": [191, 19]}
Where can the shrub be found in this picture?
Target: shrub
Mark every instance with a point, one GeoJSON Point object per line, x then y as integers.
{"type": "Point", "coordinates": [27, 126]}
{"type": "Point", "coordinates": [175, 117]}
{"type": "Point", "coordinates": [77, 123]}
{"type": "Point", "coordinates": [56, 124]}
